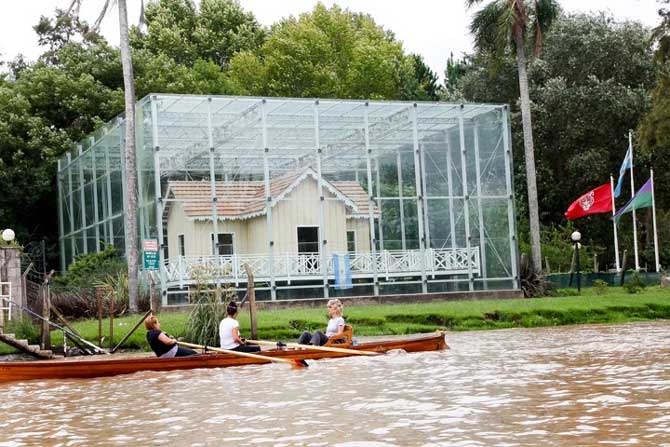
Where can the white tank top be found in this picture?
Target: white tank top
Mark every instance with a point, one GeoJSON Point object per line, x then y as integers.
{"type": "Point", "coordinates": [226, 333]}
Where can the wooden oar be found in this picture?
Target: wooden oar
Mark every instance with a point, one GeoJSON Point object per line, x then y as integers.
{"type": "Point", "coordinates": [320, 348]}
{"type": "Point", "coordinates": [295, 362]}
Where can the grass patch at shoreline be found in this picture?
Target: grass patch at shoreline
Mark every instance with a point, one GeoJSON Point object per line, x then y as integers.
{"type": "Point", "coordinates": [616, 306]}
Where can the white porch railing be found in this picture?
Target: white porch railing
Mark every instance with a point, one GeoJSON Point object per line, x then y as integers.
{"type": "Point", "coordinates": [307, 266]}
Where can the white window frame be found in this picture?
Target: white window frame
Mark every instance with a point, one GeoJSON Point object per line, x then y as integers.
{"type": "Point", "coordinates": [181, 244]}
{"type": "Point", "coordinates": [347, 241]}
{"type": "Point", "coordinates": [214, 242]}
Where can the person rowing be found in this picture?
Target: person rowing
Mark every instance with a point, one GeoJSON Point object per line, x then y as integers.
{"type": "Point", "coordinates": [229, 332]}
{"type": "Point", "coordinates": [161, 343]}
{"type": "Point", "coordinates": [335, 326]}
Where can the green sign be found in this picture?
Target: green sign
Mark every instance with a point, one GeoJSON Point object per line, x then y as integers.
{"type": "Point", "coordinates": [151, 260]}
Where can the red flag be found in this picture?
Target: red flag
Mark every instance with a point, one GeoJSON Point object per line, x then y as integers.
{"type": "Point", "coordinates": [597, 200]}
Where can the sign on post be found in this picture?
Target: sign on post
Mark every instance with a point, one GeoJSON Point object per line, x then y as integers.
{"type": "Point", "coordinates": [150, 252]}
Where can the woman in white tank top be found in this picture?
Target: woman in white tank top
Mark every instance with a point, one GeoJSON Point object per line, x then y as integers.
{"type": "Point", "coordinates": [229, 332]}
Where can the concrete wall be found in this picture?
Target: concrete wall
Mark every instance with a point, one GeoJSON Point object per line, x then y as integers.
{"type": "Point", "coordinates": [10, 271]}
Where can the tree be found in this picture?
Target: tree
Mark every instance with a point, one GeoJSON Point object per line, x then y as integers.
{"type": "Point", "coordinates": [327, 53]}
{"type": "Point", "coordinates": [29, 148]}
{"type": "Point", "coordinates": [425, 86]}
{"type": "Point", "coordinates": [456, 69]}
{"type": "Point", "coordinates": [186, 34]}
{"type": "Point", "coordinates": [655, 128]}
{"type": "Point", "coordinates": [130, 204]}
{"type": "Point", "coordinates": [508, 24]}
{"type": "Point", "coordinates": [660, 37]}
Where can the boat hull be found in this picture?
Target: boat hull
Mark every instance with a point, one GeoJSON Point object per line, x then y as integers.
{"type": "Point", "coordinates": [101, 366]}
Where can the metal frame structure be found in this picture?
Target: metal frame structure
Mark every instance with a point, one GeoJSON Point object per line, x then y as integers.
{"type": "Point", "coordinates": [451, 227]}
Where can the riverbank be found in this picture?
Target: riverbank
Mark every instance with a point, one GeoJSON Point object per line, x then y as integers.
{"type": "Point", "coordinates": [614, 306]}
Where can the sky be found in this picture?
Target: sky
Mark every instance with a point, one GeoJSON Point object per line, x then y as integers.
{"type": "Point", "coordinates": [432, 28]}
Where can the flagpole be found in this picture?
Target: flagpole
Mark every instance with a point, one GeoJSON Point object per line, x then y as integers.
{"type": "Point", "coordinates": [616, 238]}
{"type": "Point", "coordinates": [653, 211]}
{"type": "Point", "coordinates": [632, 194]}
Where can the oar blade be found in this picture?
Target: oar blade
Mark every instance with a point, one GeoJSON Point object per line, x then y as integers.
{"type": "Point", "coordinates": [300, 364]}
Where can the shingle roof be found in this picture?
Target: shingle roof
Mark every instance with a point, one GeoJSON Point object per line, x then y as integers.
{"type": "Point", "coordinates": [246, 199]}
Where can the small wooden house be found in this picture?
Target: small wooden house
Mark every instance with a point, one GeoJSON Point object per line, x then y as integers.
{"type": "Point", "coordinates": [242, 216]}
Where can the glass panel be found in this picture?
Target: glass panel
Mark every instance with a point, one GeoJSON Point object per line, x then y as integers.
{"type": "Point", "coordinates": [341, 176]}
{"type": "Point", "coordinates": [117, 192]}
{"type": "Point", "coordinates": [88, 200]}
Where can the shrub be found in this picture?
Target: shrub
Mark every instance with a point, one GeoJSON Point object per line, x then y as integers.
{"type": "Point", "coordinates": [533, 283]}
{"type": "Point", "coordinates": [635, 284]}
{"type": "Point", "coordinates": [83, 303]}
{"type": "Point", "coordinates": [91, 268]}
{"type": "Point", "coordinates": [558, 249]}
{"type": "Point", "coordinates": [600, 287]}
{"type": "Point", "coordinates": [210, 308]}
{"type": "Point", "coordinates": [116, 287]}
{"type": "Point", "coordinates": [23, 328]}
{"type": "Point", "coordinates": [76, 303]}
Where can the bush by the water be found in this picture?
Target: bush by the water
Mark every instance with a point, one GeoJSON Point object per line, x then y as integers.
{"type": "Point", "coordinates": [210, 302]}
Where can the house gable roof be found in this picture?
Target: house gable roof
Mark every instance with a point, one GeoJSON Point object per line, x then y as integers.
{"type": "Point", "coordinates": [246, 199]}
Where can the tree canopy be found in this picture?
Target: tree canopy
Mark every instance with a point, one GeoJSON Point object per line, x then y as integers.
{"type": "Point", "coordinates": [330, 53]}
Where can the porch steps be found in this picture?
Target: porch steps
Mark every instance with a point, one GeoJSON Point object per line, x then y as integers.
{"type": "Point", "coordinates": [23, 346]}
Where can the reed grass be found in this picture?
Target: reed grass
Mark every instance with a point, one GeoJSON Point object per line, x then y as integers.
{"type": "Point", "coordinates": [615, 306]}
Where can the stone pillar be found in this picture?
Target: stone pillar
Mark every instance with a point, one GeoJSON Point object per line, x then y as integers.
{"type": "Point", "coordinates": [10, 271]}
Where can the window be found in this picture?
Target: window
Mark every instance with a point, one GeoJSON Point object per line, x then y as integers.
{"type": "Point", "coordinates": [181, 247]}
{"type": "Point", "coordinates": [225, 243]}
{"type": "Point", "coordinates": [308, 239]}
{"type": "Point", "coordinates": [351, 241]}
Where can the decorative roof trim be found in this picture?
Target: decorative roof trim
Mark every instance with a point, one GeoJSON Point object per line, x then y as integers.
{"type": "Point", "coordinates": [329, 186]}
{"type": "Point", "coordinates": [308, 172]}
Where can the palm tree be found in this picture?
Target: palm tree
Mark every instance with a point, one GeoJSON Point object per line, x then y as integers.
{"type": "Point", "coordinates": [660, 36]}
{"type": "Point", "coordinates": [502, 25]}
{"type": "Point", "coordinates": [130, 204]}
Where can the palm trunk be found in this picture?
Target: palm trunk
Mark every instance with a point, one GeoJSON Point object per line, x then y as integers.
{"type": "Point", "coordinates": [130, 204]}
{"type": "Point", "coordinates": [529, 152]}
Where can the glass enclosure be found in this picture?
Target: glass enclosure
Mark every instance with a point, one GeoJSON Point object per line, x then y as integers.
{"type": "Point", "coordinates": [317, 198]}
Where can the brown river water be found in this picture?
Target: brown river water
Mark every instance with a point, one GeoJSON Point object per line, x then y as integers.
{"type": "Point", "coordinates": [566, 386]}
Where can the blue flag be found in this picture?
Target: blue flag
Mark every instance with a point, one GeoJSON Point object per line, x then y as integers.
{"type": "Point", "coordinates": [342, 270]}
{"type": "Point", "coordinates": [627, 164]}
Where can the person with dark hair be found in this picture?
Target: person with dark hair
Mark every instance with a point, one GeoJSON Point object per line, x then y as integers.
{"type": "Point", "coordinates": [229, 332]}
{"type": "Point", "coordinates": [163, 345]}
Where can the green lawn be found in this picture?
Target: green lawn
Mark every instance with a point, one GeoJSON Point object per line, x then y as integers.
{"type": "Point", "coordinates": [615, 306]}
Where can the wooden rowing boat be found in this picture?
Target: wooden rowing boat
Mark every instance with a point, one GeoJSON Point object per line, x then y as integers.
{"type": "Point", "coordinates": [100, 366]}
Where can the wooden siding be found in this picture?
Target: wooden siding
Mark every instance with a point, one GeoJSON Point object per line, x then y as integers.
{"type": "Point", "coordinates": [362, 229]}
{"type": "Point", "coordinates": [299, 208]}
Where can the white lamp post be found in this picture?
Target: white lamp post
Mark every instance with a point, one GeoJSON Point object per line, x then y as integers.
{"type": "Point", "coordinates": [8, 235]}
{"type": "Point", "coordinates": [576, 236]}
